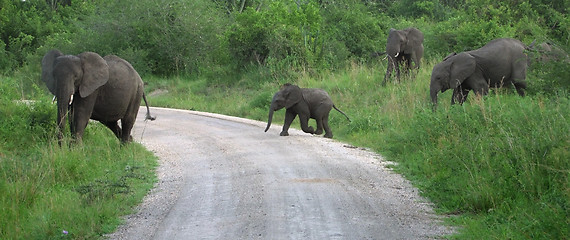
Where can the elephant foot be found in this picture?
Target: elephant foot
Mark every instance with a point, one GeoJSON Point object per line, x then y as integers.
{"type": "Point", "coordinates": [284, 134]}
{"type": "Point", "coordinates": [318, 132]}
{"type": "Point", "coordinates": [328, 135]}
{"type": "Point", "coordinates": [310, 130]}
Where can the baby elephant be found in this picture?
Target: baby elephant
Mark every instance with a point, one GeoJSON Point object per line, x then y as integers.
{"type": "Point", "coordinates": [307, 103]}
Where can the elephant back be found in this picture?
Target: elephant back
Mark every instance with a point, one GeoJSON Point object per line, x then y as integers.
{"type": "Point", "coordinates": [315, 96]}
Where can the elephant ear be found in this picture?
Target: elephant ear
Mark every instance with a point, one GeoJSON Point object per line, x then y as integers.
{"type": "Point", "coordinates": [95, 73]}
{"type": "Point", "coordinates": [414, 39]}
{"type": "Point", "coordinates": [47, 69]}
{"type": "Point", "coordinates": [293, 96]}
{"type": "Point", "coordinates": [462, 66]}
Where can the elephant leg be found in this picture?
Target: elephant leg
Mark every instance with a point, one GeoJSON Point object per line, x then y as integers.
{"type": "Point", "coordinates": [127, 124]}
{"type": "Point", "coordinates": [305, 124]}
{"type": "Point", "coordinates": [320, 123]}
{"type": "Point", "coordinates": [289, 117]}
{"type": "Point", "coordinates": [82, 110]}
{"type": "Point", "coordinates": [388, 71]}
{"type": "Point", "coordinates": [114, 126]}
{"type": "Point", "coordinates": [519, 75]}
{"type": "Point", "coordinates": [408, 66]}
{"type": "Point", "coordinates": [328, 132]}
{"type": "Point", "coordinates": [520, 87]}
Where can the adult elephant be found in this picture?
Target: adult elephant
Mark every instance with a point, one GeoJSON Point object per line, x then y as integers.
{"type": "Point", "coordinates": [502, 62]}
{"type": "Point", "coordinates": [307, 103]}
{"type": "Point", "coordinates": [403, 47]}
{"type": "Point", "coordinates": [88, 86]}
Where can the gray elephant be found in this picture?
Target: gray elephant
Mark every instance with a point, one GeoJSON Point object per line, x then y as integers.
{"type": "Point", "coordinates": [403, 47]}
{"type": "Point", "coordinates": [88, 86]}
{"type": "Point", "coordinates": [502, 62]}
{"type": "Point", "coordinates": [549, 52]}
{"type": "Point", "coordinates": [307, 103]}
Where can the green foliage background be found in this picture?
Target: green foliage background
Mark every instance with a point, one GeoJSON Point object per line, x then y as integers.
{"type": "Point", "coordinates": [498, 166]}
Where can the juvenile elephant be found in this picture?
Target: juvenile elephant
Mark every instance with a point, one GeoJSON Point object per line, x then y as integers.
{"type": "Point", "coordinates": [501, 62]}
{"type": "Point", "coordinates": [403, 47]}
{"type": "Point", "coordinates": [88, 86]}
{"type": "Point", "coordinates": [307, 103]}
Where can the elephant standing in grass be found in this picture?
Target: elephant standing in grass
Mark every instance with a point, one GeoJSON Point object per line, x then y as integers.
{"type": "Point", "coordinates": [502, 62]}
{"type": "Point", "coordinates": [88, 86]}
{"type": "Point", "coordinates": [307, 103]}
{"type": "Point", "coordinates": [403, 47]}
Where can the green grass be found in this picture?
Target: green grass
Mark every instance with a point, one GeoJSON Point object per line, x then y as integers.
{"type": "Point", "coordinates": [498, 165]}
{"type": "Point", "coordinates": [46, 189]}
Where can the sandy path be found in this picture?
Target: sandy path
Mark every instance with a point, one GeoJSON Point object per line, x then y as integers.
{"type": "Point", "coordinates": [222, 177]}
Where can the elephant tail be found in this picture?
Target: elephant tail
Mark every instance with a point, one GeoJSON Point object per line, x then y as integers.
{"type": "Point", "coordinates": [148, 116]}
{"type": "Point", "coordinates": [342, 113]}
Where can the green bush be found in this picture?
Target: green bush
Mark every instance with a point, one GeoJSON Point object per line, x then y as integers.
{"type": "Point", "coordinates": [276, 33]}
{"type": "Point", "coordinates": [156, 37]}
{"type": "Point", "coordinates": [26, 25]}
{"type": "Point", "coordinates": [351, 25]}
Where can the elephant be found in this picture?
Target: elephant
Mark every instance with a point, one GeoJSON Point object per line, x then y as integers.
{"type": "Point", "coordinates": [88, 86]}
{"type": "Point", "coordinates": [307, 103]}
{"type": "Point", "coordinates": [403, 47]}
{"type": "Point", "coordinates": [501, 62]}
{"type": "Point", "coordinates": [549, 52]}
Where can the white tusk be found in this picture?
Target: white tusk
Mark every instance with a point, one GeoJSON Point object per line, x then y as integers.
{"type": "Point", "coordinates": [397, 54]}
{"type": "Point", "coordinates": [53, 100]}
{"type": "Point", "coordinates": [71, 99]}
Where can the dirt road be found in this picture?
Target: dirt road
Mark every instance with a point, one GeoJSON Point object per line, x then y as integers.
{"type": "Point", "coordinates": [224, 178]}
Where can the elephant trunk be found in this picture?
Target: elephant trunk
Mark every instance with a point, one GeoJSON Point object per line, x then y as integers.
{"type": "Point", "coordinates": [270, 118]}
{"type": "Point", "coordinates": [62, 115]}
{"type": "Point", "coordinates": [64, 98]}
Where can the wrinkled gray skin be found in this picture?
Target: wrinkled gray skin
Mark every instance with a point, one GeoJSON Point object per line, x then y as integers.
{"type": "Point", "coordinates": [307, 103]}
{"type": "Point", "coordinates": [403, 47]}
{"type": "Point", "coordinates": [88, 86]}
{"type": "Point", "coordinates": [501, 62]}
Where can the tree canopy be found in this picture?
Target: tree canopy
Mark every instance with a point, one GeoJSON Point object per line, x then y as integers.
{"type": "Point", "coordinates": [193, 37]}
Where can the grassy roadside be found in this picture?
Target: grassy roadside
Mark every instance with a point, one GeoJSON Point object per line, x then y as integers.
{"type": "Point", "coordinates": [52, 192]}
{"type": "Point", "coordinates": [498, 166]}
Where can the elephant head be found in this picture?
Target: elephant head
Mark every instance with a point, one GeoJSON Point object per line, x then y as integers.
{"type": "Point", "coordinates": [286, 97]}
{"type": "Point", "coordinates": [66, 75]}
{"type": "Point", "coordinates": [396, 43]}
{"type": "Point", "coordinates": [450, 73]}
{"type": "Point", "coordinates": [405, 41]}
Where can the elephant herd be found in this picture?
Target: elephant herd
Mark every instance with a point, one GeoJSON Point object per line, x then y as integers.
{"type": "Point", "coordinates": [108, 89]}
{"type": "Point", "coordinates": [501, 62]}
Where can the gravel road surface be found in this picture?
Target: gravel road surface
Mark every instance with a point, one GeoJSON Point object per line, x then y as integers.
{"type": "Point", "coordinates": [222, 177]}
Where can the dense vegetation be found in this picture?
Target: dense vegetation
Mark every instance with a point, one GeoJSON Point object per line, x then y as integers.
{"type": "Point", "coordinates": [498, 165]}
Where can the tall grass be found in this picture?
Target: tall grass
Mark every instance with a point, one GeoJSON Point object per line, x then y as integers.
{"type": "Point", "coordinates": [497, 165]}
{"type": "Point", "coordinates": [53, 192]}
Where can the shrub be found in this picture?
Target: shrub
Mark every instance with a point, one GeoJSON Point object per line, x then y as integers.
{"type": "Point", "coordinates": [351, 25]}
{"type": "Point", "coordinates": [282, 30]}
